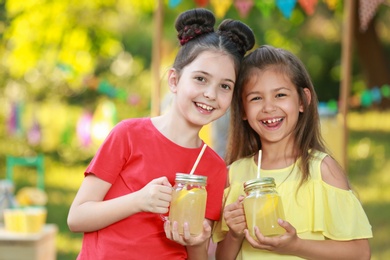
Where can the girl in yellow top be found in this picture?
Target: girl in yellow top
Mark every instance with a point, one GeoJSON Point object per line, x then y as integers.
{"type": "Point", "coordinates": [275, 110]}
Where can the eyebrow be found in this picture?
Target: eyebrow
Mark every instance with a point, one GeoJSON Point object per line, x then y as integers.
{"type": "Point", "coordinates": [208, 74]}
{"type": "Point", "coordinates": [274, 90]}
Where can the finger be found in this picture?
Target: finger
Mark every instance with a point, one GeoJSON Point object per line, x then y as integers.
{"type": "Point", "coordinates": [186, 231]}
{"type": "Point", "coordinates": [255, 243]}
{"type": "Point", "coordinates": [240, 198]}
{"type": "Point", "coordinates": [166, 198]}
{"type": "Point", "coordinates": [287, 226]}
{"type": "Point", "coordinates": [175, 231]}
{"type": "Point", "coordinates": [167, 229]}
{"type": "Point", "coordinates": [267, 243]}
{"type": "Point", "coordinates": [165, 190]}
{"type": "Point", "coordinates": [162, 180]}
{"type": "Point", "coordinates": [165, 181]}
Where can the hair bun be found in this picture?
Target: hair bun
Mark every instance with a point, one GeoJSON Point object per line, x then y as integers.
{"type": "Point", "coordinates": [239, 33]}
{"type": "Point", "coordinates": [193, 23]}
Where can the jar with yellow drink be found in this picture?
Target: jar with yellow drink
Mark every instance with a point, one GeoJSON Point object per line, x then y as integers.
{"type": "Point", "coordinates": [263, 207]}
{"type": "Point", "coordinates": [189, 202]}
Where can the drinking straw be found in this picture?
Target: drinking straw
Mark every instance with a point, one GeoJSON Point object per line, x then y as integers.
{"type": "Point", "coordinates": [198, 159]}
{"type": "Point", "coordinates": [258, 164]}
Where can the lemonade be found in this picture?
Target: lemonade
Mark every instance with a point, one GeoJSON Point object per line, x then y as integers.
{"type": "Point", "coordinates": [264, 212]}
{"type": "Point", "coordinates": [263, 207]}
{"type": "Point", "coordinates": [188, 204]}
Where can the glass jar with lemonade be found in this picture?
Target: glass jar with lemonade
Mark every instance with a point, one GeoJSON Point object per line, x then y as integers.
{"type": "Point", "coordinates": [263, 207]}
{"type": "Point", "coordinates": [189, 202]}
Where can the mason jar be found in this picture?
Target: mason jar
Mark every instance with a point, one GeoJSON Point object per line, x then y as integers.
{"type": "Point", "coordinates": [263, 207]}
{"type": "Point", "coordinates": [188, 203]}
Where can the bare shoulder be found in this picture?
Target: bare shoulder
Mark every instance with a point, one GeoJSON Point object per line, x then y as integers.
{"type": "Point", "coordinates": [333, 174]}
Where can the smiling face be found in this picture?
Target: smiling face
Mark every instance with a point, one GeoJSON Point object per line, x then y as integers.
{"type": "Point", "coordinates": [204, 89]}
{"type": "Point", "coordinates": [272, 105]}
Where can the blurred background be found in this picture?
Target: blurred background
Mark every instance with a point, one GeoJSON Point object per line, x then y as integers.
{"type": "Point", "coordinates": [70, 70]}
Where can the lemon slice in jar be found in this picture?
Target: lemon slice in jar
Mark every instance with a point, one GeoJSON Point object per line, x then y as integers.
{"type": "Point", "coordinates": [270, 205]}
{"type": "Point", "coordinates": [185, 195]}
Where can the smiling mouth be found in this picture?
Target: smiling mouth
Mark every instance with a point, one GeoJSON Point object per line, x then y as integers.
{"type": "Point", "coordinates": [204, 106]}
{"type": "Point", "coordinates": [271, 121]}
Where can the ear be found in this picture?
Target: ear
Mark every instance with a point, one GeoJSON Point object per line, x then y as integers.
{"type": "Point", "coordinates": [308, 98]}
{"type": "Point", "coordinates": [244, 117]}
{"type": "Point", "coordinates": [173, 79]}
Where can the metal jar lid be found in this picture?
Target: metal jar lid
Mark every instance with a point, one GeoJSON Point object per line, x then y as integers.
{"type": "Point", "coordinates": [264, 182]}
{"type": "Point", "coordinates": [191, 178]}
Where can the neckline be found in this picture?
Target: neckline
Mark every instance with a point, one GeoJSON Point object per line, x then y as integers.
{"type": "Point", "coordinates": [169, 141]}
{"type": "Point", "coordinates": [278, 170]}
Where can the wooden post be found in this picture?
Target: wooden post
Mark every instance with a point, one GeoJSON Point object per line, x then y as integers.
{"type": "Point", "coordinates": [346, 71]}
{"type": "Point", "coordinates": [156, 59]}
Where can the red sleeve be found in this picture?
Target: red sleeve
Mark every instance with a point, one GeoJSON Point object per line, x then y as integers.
{"type": "Point", "coordinates": [111, 155]}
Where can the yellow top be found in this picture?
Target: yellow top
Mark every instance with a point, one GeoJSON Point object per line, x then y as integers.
{"type": "Point", "coordinates": [317, 211]}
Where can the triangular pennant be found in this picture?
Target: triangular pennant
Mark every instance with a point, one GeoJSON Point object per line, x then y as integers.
{"type": "Point", "coordinates": [243, 7]}
{"type": "Point", "coordinates": [220, 7]}
{"type": "Point", "coordinates": [201, 3]}
{"type": "Point", "coordinates": [308, 6]}
{"type": "Point", "coordinates": [286, 7]}
{"type": "Point", "coordinates": [367, 10]}
{"type": "Point", "coordinates": [265, 6]}
{"type": "Point", "coordinates": [331, 4]}
{"type": "Point", "coordinates": [173, 3]}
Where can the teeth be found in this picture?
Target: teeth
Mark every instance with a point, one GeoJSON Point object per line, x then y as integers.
{"type": "Point", "coordinates": [205, 107]}
{"type": "Point", "coordinates": [269, 121]}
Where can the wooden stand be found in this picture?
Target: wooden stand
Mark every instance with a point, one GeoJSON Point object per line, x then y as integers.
{"type": "Point", "coordinates": [39, 246]}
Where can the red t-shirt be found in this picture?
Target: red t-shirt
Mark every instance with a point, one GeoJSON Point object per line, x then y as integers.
{"type": "Point", "coordinates": [133, 154]}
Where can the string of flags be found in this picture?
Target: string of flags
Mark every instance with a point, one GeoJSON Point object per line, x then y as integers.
{"type": "Point", "coordinates": [367, 8]}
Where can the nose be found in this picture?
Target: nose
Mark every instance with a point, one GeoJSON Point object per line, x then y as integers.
{"type": "Point", "coordinates": [210, 92]}
{"type": "Point", "coordinates": [268, 106]}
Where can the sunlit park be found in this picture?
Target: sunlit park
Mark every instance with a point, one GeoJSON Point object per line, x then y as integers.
{"type": "Point", "coordinates": [71, 70]}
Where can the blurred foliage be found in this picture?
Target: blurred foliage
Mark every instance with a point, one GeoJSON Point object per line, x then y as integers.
{"type": "Point", "coordinates": [368, 154]}
{"type": "Point", "coordinates": [57, 54]}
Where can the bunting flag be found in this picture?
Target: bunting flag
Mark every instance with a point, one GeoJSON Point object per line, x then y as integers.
{"type": "Point", "coordinates": [265, 7]}
{"type": "Point", "coordinates": [173, 3]}
{"type": "Point", "coordinates": [201, 3]}
{"type": "Point", "coordinates": [367, 10]}
{"type": "Point", "coordinates": [372, 96]}
{"type": "Point", "coordinates": [331, 4]}
{"type": "Point", "coordinates": [220, 7]}
{"type": "Point", "coordinates": [308, 6]}
{"type": "Point", "coordinates": [243, 7]}
{"type": "Point", "coordinates": [286, 7]}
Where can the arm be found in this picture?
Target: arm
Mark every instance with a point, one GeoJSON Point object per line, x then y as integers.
{"type": "Point", "coordinates": [290, 244]}
{"type": "Point", "coordinates": [200, 251]}
{"type": "Point", "coordinates": [235, 219]}
{"type": "Point", "coordinates": [89, 212]}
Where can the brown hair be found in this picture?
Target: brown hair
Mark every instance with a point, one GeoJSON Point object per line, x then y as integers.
{"type": "Point", "coordinates": [243, 141]}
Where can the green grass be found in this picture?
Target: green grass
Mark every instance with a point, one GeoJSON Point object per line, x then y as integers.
{"type": "Point", "coordinates": [368, 157]}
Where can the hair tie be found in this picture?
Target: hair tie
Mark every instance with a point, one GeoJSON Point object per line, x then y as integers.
{"type": "Point", "coordinates": [195, 33]}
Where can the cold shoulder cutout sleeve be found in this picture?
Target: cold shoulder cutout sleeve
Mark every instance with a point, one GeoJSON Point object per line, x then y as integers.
{"type": "Point", "coordinates": [338, 214]}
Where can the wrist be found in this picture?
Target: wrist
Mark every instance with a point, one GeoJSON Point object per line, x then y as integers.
{"type": "Point", "coordinates": [236, 236]}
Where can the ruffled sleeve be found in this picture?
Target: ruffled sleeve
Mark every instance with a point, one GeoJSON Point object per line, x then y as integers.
{"type": "Point", "coordinates": [338, 214]}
